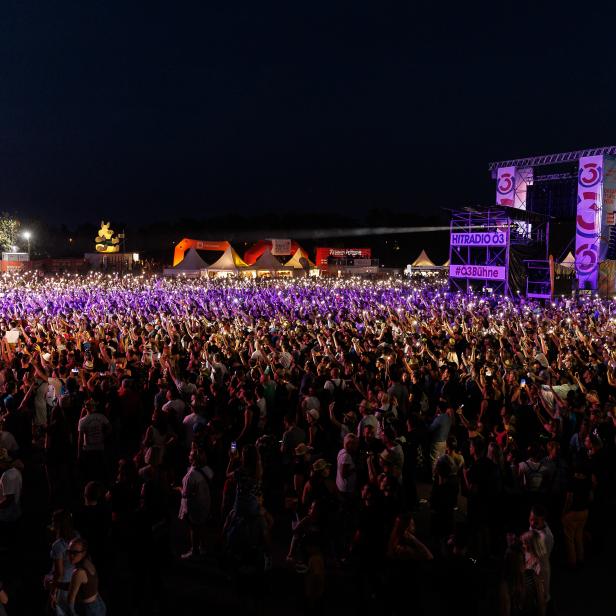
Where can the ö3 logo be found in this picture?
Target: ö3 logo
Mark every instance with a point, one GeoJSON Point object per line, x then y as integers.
{"type": "Point", "coordinates": [587, 227]}
{"type": "Point", "coordinates": [504, 184]}
{"type": "Point", "coordinates": [590, 174]}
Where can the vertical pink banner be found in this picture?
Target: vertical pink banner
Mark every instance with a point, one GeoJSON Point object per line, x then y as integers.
{"type": "Point", "coordinates": [588, 221]}
{"type": "Point", "coordinates": [505, 186]}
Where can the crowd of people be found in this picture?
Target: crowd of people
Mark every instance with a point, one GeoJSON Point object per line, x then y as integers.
{"type": "Point", "coordinates": [310, 425]}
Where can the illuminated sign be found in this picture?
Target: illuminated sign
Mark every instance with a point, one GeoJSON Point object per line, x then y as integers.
{"type": "Point", "coordinates": [478, 272]}
{"type": "Point", "coordinates": [498, 238]}
{"type": "Point", "coordinates": [323, 254]}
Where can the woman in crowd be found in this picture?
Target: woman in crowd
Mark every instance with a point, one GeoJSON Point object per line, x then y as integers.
{"type": "Point", "coordinates": [62, 567]}
{"type": "Point", "coordinates": [83, 597]}
{"type": "Point", "coordinates": [520, 592]}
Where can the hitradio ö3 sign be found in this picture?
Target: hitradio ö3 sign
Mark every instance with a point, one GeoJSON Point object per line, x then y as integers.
{"type": "Point", "coordinates": [496, 238]}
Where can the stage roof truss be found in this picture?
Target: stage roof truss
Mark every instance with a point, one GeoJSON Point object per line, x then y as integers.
{"type": "Point", "coordinates": [552, 159]}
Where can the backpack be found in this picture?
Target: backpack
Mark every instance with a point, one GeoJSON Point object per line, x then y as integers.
{"type": "Point", "coordinates": [533, 478]}
{"type": "Point", "coordinates": [338, 395]}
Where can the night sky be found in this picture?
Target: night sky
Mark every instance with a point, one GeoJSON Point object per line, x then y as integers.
{"type": "Point", "coordinates": [150, 111]}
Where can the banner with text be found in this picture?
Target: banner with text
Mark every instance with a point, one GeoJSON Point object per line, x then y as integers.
{"type": "Point", "coordinates": [588, 221]}
{"type": "Point", "coordinates": [478, 272]}
{"type": "Point", "coordinates": [498, 238]}
{"type": "Point", "coordinates": [281, 247]}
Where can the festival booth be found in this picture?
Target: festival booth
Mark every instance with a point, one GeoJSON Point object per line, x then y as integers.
{"type": "Point", "coordinates": [190, 266]}
{"type": "Point", "coordinates": [300, 262]}
{"type": "Point", "coordinates": [267, 265]}
{"type": "Point", "coordinates": [229, 264]}
{"type": "Point", "coordinates": [184, 245]}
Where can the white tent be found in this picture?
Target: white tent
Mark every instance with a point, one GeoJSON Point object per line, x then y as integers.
{"type": "Point", "coordinates": [267, 262]}
{"type": "Point", "coordinates": [568, 261]}
{"type": "Point", "coordinates": [191, 265]}
{"type": "Point", "coordinates": [296, 260]}
{"type": "Point", "coordinates": [228, 263]}
{"type": "Point", "coordinates": [423, 260]}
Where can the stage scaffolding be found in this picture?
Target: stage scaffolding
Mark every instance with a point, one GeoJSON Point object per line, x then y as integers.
{"type": "Point", "coordinates": [500, 266]}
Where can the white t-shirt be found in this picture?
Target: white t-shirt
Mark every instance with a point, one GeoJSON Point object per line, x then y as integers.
{"type": "Point", "coordinates": [346, 485]}
{"type": "Point", "coordinates": [196, 500]}
{"type": "Point", "coordinates": [187, 388]}
{"type": "Point", "coordinates": [331, 385]}
{"type": "Point", "coordinates": [92, 427]}
{"type": "Point", "coordinates": [177, 406]}
{"type": "Point", "coordinates": [190, 421]}
{"type": "Point", "coordinates": [10, 484]}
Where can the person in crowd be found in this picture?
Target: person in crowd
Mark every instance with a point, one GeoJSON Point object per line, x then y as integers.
{"type": "Point", "coordinates": [62, 568]}
{"type": "Point", "coordinates": [439, 431]}
{"type": "Point", "coordinates": [196, 501]}
{"type": "Point", "coordinates": [537, 523]}
{"type": "Point", "coordinates": [532, 473]}
{"type": "Point", "coordinates": [464, 577]}
{"type": "Point", "coordinates": [407, 555]}
{"type": "Point", "coordinates": [520, 590]}
{"type": "Point", "coordinates": [575, 513]}
{"type": "Point", "coordinates": [537, 558]}
{"type": "Point", "coordinates": [83, 597]}
{"type": "Point", "coordinates": [11, 483]}
{"type": "Point", "coordinates": [93, 429]}
{"type": "Point", "coordinates": [480, 480]}
{"type": "Point", "coordinates": [443, 499]}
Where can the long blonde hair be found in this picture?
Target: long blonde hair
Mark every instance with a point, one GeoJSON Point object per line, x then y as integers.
{"type": "Point", "coordinates": [533, 543]}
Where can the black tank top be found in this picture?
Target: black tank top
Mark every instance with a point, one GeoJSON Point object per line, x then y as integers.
{"type": "Point", "coordinates": [90, 588]}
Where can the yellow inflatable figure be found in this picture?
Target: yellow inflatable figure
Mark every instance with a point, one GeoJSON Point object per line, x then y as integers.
{"type": "Point", "coordinates": [105, 242]}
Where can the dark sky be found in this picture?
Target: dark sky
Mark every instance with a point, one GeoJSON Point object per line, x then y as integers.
{"type": "Point", "coordinates": [157, 110]}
